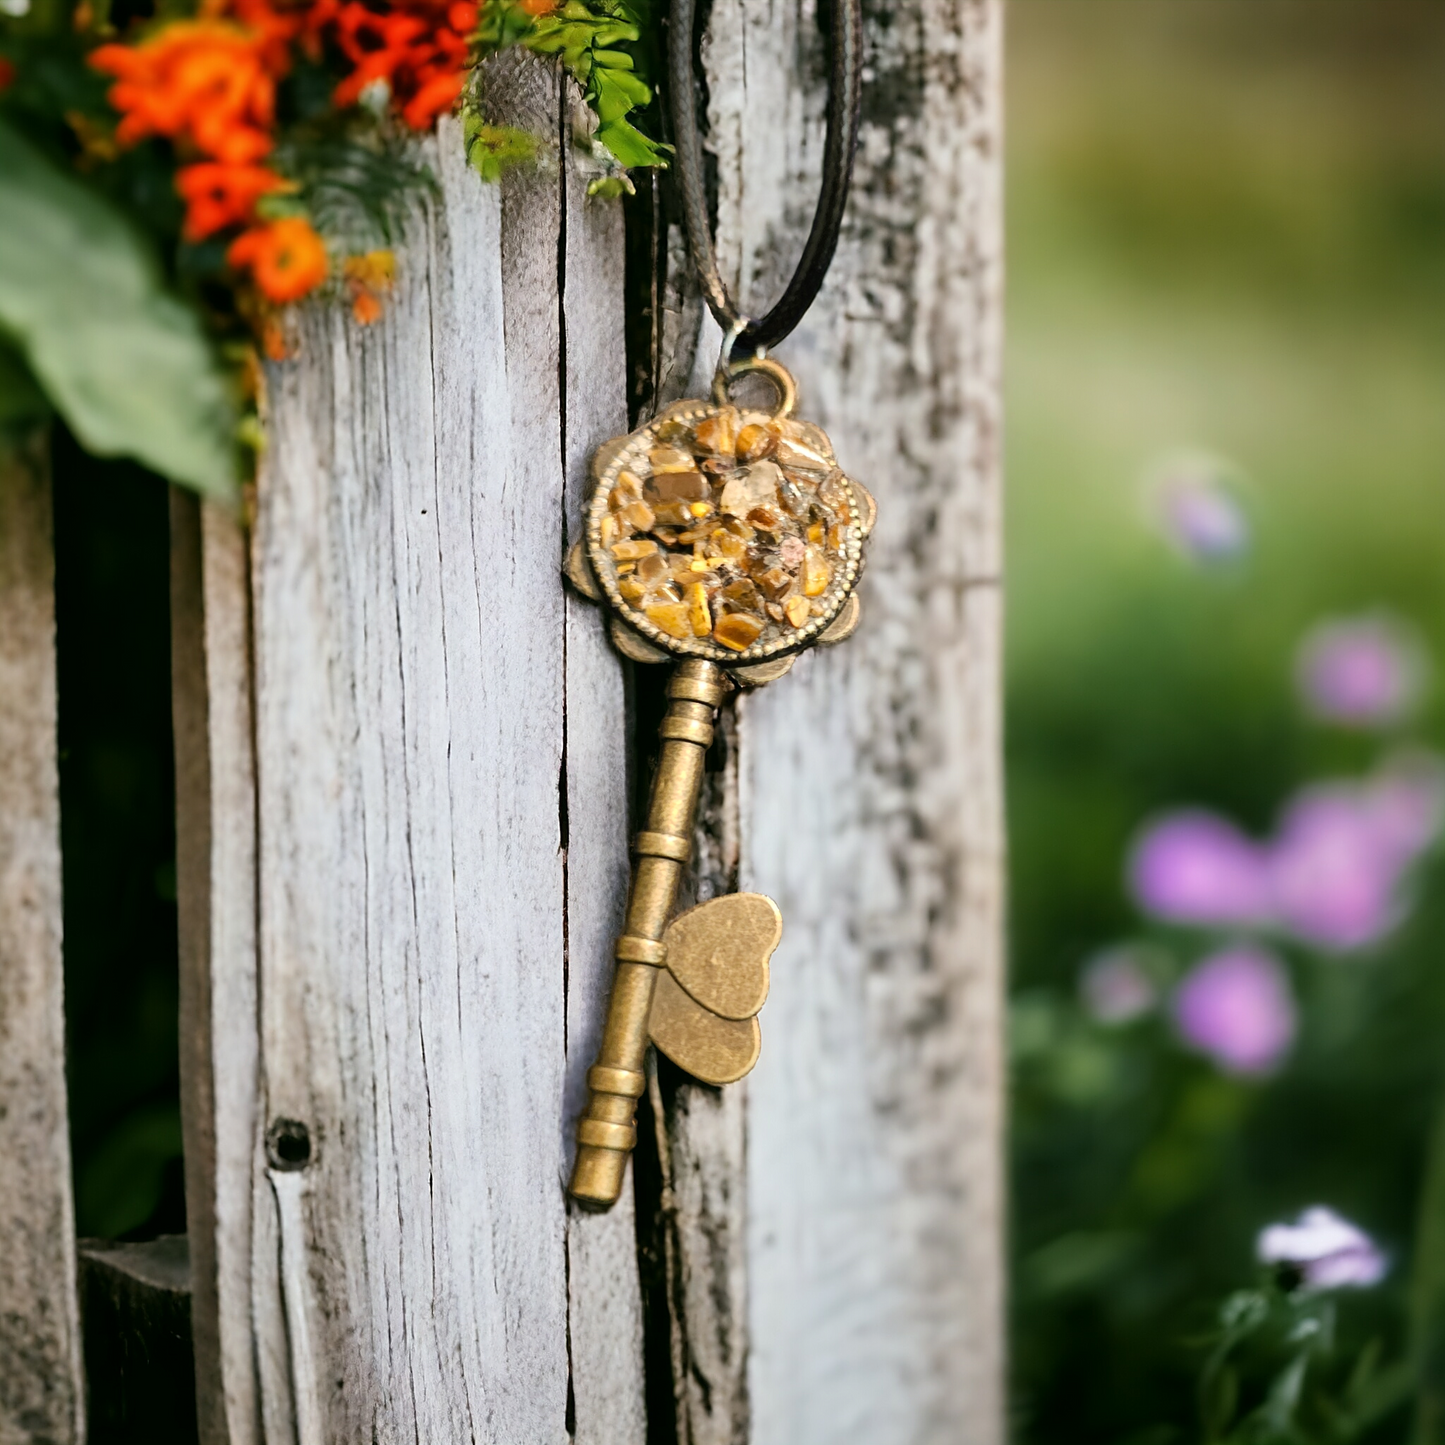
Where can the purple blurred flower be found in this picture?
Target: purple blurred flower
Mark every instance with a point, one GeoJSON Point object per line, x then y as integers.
{"type": "Point", "coordinates": [1406, 803]}
{"type": "Point", "coordinates": [1363, 672]}
{"type": "Point", "coordinates": [1332, 875]}
{"type": "Point", "coordinates": [1194, 867]}
{"type": "Point", "coordinates": [1334, 882]}
{"type": "Point", "coordinates": [1196, 509]}
{"type": "Point", "coordinates": [1116, 988]}
{"type": "Point", "coordinates": [1342, 850]}
{"type": "Point", "coordinates": [1329, 1250]}
{"type": "Point", "coordinates": [1237, 1007]}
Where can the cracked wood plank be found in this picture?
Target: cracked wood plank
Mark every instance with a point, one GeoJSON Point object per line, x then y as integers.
{"type": "Point", "coordinates": [216, 895]}
{"type": "Point", "coordinates": [441, 776]}
{"type": "Point", "coordinates": [870, 1308]}
{"type": "Point", "coordinates": [41, 1393]}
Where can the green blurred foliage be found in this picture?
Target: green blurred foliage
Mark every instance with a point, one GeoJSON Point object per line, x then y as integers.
{"type": "Point", "coordinates": [1226, 232]}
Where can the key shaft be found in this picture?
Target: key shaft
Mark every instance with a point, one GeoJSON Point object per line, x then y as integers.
{"type": "Point", "coordinates": [606, 1132]}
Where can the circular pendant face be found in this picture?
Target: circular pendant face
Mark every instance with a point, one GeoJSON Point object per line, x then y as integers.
{"type": "Point", "coordinates": [726, 534]}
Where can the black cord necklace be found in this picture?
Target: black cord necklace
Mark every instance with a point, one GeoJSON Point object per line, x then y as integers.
{"type": "Point", "coordinates": [726, 539]}
{"type": "Point", "coordinates": [844, 93]}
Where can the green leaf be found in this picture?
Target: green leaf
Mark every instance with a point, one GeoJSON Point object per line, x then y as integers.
{"type": "Point", "coordinates": [491, 149]}
{"type": "Point", "coordinates": [123, 361]}
{"type": "Point", "coordinates": [629, 145]}
{"type": "Point", "coordinates": [615, 92]}
{"type": "Point", "coordinates": [609, 188]}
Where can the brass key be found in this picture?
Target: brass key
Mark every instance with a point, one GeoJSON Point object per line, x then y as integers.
{"type": "Point", "coordinates": [732, 540]}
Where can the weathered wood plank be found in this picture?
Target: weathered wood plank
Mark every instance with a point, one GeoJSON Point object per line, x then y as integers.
{"type": "Point", "coordinates": [870, 777]}
{"type": "Point", "coordinates": [216, 893]}
{"type": "Point", "coordinates": [41, 1396]}
{"type": "Point", "coordinates": [605, 1306]}
{"type": "Point", "coordinates": [428, 714]}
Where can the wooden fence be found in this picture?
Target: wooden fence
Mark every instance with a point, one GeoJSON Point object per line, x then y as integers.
{"type": "Point", "coordinates": [408, 763]}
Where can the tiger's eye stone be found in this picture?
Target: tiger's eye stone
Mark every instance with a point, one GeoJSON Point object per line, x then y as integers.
{"type": "Point", "coordinates": [674, 618]}
{"type": "Point", "coordinates": [639, 516]}
{"type": "Point", "coordinates": [743, 594]}
{"type": "Point", "coordinates": [699, 613]}
{"type": "Point", "coordinates": [817, 573]}
{"type": "Point", "coordinates": [670, 459]}
{"type": "Point", "coordinates": [680, 486]}
{"type": "Point", "coordinates": [738, 630]}
{"type": "Point", "coordinates": [796, 609]}
{"type": "Point", "coordinates": [775, 581]}
{"type": "Point", "coordinates": [717, 434]}
{"type": "Point", "coordinates": [755, 442]}
{"type": "Point", "coordinates": [633, 551]}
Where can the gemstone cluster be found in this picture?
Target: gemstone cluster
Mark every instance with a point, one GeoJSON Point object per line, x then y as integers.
{"type": "Point", "coordinates": [726, 534]}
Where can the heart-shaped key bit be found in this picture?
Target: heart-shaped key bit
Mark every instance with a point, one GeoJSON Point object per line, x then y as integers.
{"type": "Point", "coordinates": [715, 981]}
{"type": "Point", "coordinates": [713, 1049]}
{"type": "Point", "coordinates": [719, 952]}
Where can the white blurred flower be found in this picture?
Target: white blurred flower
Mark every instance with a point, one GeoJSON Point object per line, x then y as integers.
{"type": "Point", "coordinates": [1329, 1251]}
{"type": "Point", "coordinates": [1195, 505]}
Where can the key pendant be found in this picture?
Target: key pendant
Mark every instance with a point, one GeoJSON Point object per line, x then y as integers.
{"type": "Point", "coordinates": [728, 540]}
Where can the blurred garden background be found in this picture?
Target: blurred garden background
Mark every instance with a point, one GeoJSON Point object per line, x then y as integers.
{"type": "Point", "coordinates": [1226, 592]}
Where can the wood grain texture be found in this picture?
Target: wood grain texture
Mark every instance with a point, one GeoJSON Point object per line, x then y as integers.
{"type": "Point", "coordinates": [216, 892]}
{"type": "Point", "coordinates": [870, 777]}
{"type": "Point", "coordinates": [605, 1306]}
{"type": "Point", "coordinates": [442, 833]}
{"type": "Point", "coordinates": [704, 1157]}
{"type": "Point", "coordinates": [41, 1397]}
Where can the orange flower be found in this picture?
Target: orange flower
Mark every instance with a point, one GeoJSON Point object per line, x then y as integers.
{"type": "Point", "coordinates": [286, 258]}
{"type": "Point", "coordinates": [218, 195]}
{"type": "Point", "coordinates": [418, 48]}
{"type": "Point", "coordinates": [369, 278]}
{"type": "Point", "coordinates": [200, 80]}
{"type": "Point", "coordinates": [271, 31]}
{"type": "Point", "coordinates": [538, 8]}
